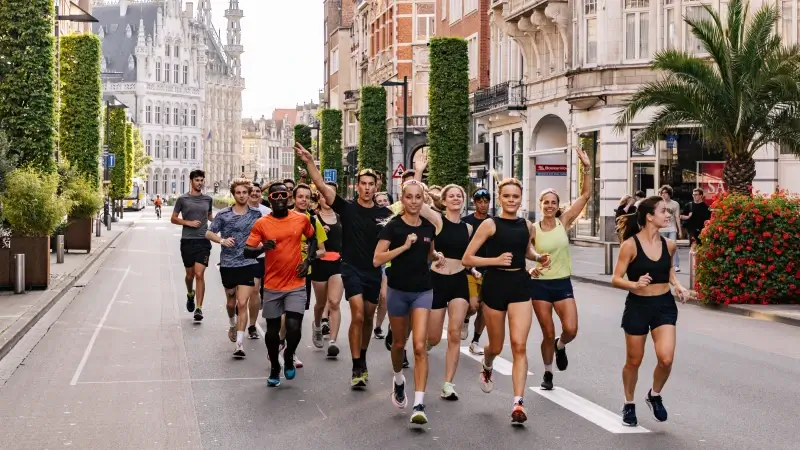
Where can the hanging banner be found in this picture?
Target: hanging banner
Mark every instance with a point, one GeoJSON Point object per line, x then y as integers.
{"type": "Point", "coordinates": [551, 170]}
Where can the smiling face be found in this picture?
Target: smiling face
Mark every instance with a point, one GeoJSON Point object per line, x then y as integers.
{"type": "Point", "coordinates": [413, 198]}
{"type": "Point", "coordinates": [453, 198]}
{"type": "Point", "coordinates": [255, 196]}
{"type": "Point", "coordinates": [302, 198]}
{"type": "Point", "coordinates": [279, 198]}
{"type": "Point", "coordinates": [510, 198]}
{"type": "Point", "coordinates": [548, 203]}
{"type": "Point", "coordinates": [382, 200]}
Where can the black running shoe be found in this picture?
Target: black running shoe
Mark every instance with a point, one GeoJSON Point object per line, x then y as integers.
{"type": "Point", "coordinates": [378, 333]}
{"type": "Point", "coordinates": [326, 328]}
{"type": "Point", "coordinates": [399, 398]}
{"type": "Point", "coordinates": [561, 357]}
{"type": "Point", "coordinates": [239, 352]}
{"type": "Point", "coordinates": [388, 340]}
{"type": "Point", "coordinates": [656, 405]}
{"type": "Point", "coordinates": [358, 381]}
{"type": "Point", "coordinates": [547, 381]}
{"type": "Point", "coordinates": [629, 415]}
{"type": "Point", "coordinates": [190, 301]}
{"type": "Point", "coordinates": [198, 315]}
{"type": "Point", "coordinates": [253, 332]}
{"type": "Point", "coordinates": [406, 365]}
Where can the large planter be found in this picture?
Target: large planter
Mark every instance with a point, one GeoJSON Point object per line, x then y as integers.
{"type": "Point", "coordinates": [37, 262]}
{"type": "Point", "coordinates": [78, 234]}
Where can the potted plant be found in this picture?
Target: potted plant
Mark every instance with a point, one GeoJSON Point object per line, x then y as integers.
{"type": "Point", "coordinates": [85, 203]}
{"type": "Point", "coordinates": [33, 210]}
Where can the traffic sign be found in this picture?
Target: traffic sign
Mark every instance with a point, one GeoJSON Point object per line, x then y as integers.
{"type": "Point", "coordinates": [112, 160]}
{"type": "Point", "coordinates": [399, 171]}
{"type": "Point", "coordinates": [329, 175]}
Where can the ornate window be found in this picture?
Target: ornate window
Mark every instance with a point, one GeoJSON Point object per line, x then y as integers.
{"type": "Point", "coordinates": [175, 72]}
{"type": "Point", "coordinates": [147, 148]}
{"type": "Point", "coordinates": [590, 26]}
{"type": "Point", "coordinates": [148, 113]}
{"type": "Point", "coordinates": [166, 147]}
{"type": "Point", "coordinates": [158, 70]}
{"type": "Point", "coordinates": [175, 149]}
{"type": "Point", "coordinates": [175, 115]}
{"type": "Point", "coordinates": [637, 29]}
{"type": "Point", "coordinates": [194, 149]}
{"type": "Point", "coordinates": [166, 73]}
{"type": "Point", "coordinates": [158, 114]}
{"type": "Point", "coordinates": [158, 147]}
{"type": "Point", "coordinates": [166, 114]}
{"type": "Point", "coordinates": [185, 74]}
{"type": "Point", "coordinates": [183, 116]}
{"type": "Point", "coordinates": [194, 116]}
{"type": "Point", "coordinates": [184, 149]}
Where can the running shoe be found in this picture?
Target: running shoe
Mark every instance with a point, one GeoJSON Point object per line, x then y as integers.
{"type": "Point", "coordinates": [365, 373]}
{"type": "Point", "coordinates": [486, 379]}
{"type": "Point", "coordinates": [289, 370]}
{"type": "Point", "coordinates": [333, 349]}
{"type": "Point", "coordinates": [547, 381]}
{"type": "Point", "coordinates": [656, 405]}
{"type": "Point", "coordinates": [388, 341]}
{"type": "Point", "coordinates": [232, 334]}
{"type": "Point", "coordinates": [239, 352]}
{"type": "Point", "coordinates": [253, 332]}
{"type": "Point", "coordinates": [406, 364]}
{"type": "Point", "coordinates": [464, 331]}
{"type": "Point", "coordinates": [418, 417]}
{"type": "Point", "coordinates": [399, 395]}
{"type": "Point", "coordinates": [561, 357]}
{"type": "Point", "coordinates": [448, 391]}
{"type": "Point", "coordinates": [475, 349]}
{"type": "Point", "coordinates": [190, 301]}
{"type": "Point", "coordinates": [358, 381]}
{"type": "Point", "coordinates": [316, 336]}
{"type": "Point", "coordinates": [198, 315]}
{"type": "Point", "coordinates": [378, 333]}
{"type": "Point", "coordinates": [428, 346]}
{"type": "Point", "coordinates": [297, 363]}
{"type": "Point", "coordinates": [326, 328]}
{"type": "Point", "coordinates": [629, 415]}
{"type": "Point", "coordinates": [518, 414]}
{"type": "Point", "coordinates": [274, 379]}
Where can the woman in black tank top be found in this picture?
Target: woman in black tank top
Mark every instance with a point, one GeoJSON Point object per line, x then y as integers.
{"type": "Point", "coordinates": [646, 258]}
{"type": "Point", "coordinates": [505, 288]}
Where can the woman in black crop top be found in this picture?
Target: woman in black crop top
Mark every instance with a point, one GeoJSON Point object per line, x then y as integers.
{"type": "Point", "coordinates": [646, 258]}
{"type": "Point", "coordinates": [505, 288]}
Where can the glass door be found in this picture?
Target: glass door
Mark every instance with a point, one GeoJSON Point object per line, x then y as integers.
{"type": "Point", "coordinates": [643, 176]}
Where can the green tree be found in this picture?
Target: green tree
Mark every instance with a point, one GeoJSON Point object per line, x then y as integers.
{"type": "Point", "coordinates": [140, 160]}
{"type": "Point", "coordinates": [129, 169]}
{"type": "Point", "coordinates": [331, 143]}
{"type": "Point", "coordinates": [116, 145]}
{"type": "Point", "coordinates": [372, 133]}
{"type": "Point", "coordinates": [27, 112]}
{"type": "Point", "coordinates": [448, 132]}
{"type": "Point", "coordinates": [746, 96]}
{"type": "Point", "coordinates": [80, 103]}
{"type": "Point", "coordinates": [302, 134]}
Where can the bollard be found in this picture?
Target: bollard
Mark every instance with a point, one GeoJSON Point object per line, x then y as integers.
{"type": "Point", "coordinates": [19, 273]}
{"type": "Point", "coordinates": [60, 249]}
{"type": "Point", "coordinates": [692, 268]}
{"type": "Point", "coordinates": [609, 257]}
{"type": "Point", "coordinates": [97, 225]}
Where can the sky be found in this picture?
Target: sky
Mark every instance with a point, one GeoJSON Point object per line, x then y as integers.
{"type": "Point", "coordinates": [283, 52]}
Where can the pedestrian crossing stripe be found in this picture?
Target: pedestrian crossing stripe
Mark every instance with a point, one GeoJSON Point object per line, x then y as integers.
{"type": "Point", "coordinates": [588, 410]}
{"type": "Point", "coordinates": [500, 365]}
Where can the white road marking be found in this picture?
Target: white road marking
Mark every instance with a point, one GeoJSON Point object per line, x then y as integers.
{"type": "Point", "coordinates": [161, 228]}
{"type": "Point", "coordinates": [188, 380]}
{"type": "Point", "coordinates": [97, 330]}
{"type": "Point", "coordinates": [500, 365]}
{"type": "Point", "coordinates": [588, 410]}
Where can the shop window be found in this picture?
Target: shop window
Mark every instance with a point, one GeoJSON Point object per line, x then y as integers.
{"type": "Point", "coordinates": [516, 154]}
{"type": "Point", "coordinates": [686, 163]}
{"type": "Point", "coordinates": [588, 223]}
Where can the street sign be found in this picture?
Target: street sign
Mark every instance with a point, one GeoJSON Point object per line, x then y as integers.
{"type": "Point", "coordinates": [672, 139]}
{"type": "Point", "coordinates": [112, 160]}
{"type": "Point", "coordinates": [329, 175]}
{"type": "Point", "coordinates": [399, 171]}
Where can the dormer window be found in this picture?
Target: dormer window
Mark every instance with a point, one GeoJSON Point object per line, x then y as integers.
{"type": "Point", "coordinates": [131, 62]}
{"type": "Point", "coordinates": [128, 31]}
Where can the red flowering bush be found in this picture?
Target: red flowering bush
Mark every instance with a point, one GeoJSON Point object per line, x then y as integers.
{"type": "Point", "coordinates": [750, 250]}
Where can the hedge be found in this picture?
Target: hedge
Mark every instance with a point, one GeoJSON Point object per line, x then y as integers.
{"type": "Point", "coordinates": [302, 134]}
{"type": "Point", "coordinates": [750, 250]}
{"type": "Point", "coordinates": [27, 112]}
{"type": "Point", "coordinates": [129, 169]}
{"type": "Point", "coordinates": [116, 145]}
{"type": "Point", "coordinates": [448, 131]}
{"type": "Point", "coordinates": [80, 103]}
{"type": "Point", "coordinates": [372, 135]}
{"type": "Point", "coordinates": [331, 143]}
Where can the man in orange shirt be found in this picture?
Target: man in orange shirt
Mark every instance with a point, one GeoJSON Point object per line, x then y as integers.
{"type": "Point", "coordinates": [280, 234]}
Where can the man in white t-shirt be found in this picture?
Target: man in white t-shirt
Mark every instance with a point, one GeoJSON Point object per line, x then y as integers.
{"type": "Point", "coordinates": [256, 202]}
{"type": "Point", "coordinates": [673, 230]}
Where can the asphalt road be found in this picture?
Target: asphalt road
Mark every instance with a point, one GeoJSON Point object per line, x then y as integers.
{"type": "Point", "coordinates": [149, 378]}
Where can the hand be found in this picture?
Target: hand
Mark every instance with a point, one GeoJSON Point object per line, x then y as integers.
{"type": "Point", "coordinates": [535, 272]}
{"type": "Point", "coordinates": [421, 164]}
{"type": "Point", "coordinates": [544, 260]}
{"type": "Point", "coordinates": [583, 157]}
{"type": "Point", "coordinates": [504, 260]}
{"type": "Point", "coordinates": [326, 228]}
{"type": "Point", "coordinates": [227, 242]}
{"type": "Point", "coordinates": [644, 281]}
{"type": "Point", "coordinates": [477, 274]}
{"type": "Point", "coordinates": [440, 259]}
{"type": "Point", "coordinates": [192, 223]}
{"type": "Point", "coordinates": [269, 245]}
{"type": "Point", "coordinates": [303, 173]}
{"type": "Point", "coordinates": [683, 294]}
{"type": "Point", "coordinates": [474, 304]}
{"type": "Point", "coordinates": [410, 240]}
{"type": "Point", "coordinates": [303, 154]}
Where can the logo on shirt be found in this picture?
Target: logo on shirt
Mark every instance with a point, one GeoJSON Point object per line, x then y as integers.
{"type": "Point", "coordinates": [426, 240]}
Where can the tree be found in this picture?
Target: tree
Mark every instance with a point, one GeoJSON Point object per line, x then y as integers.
{"type": "Point", "coordinates": [116, 145]}
{"type": "Point", "coordinates": [746, 97]}
{"type": "Point", "coordinates": [140, 161]}
{"type": "Point", "coordinates": [302, 134]}
{"type": "Point", "coordinates": [27, 112]}
{"type": "Point", "coordinates": [448, 132]}
{"type": "Point", "coordinates": [80, 103]}
{"type": "Point", "coordinates": [372, 133]}
{"type": "Point", "coordinates": [129, 169]}
{"type": "Point", "coordinates": [331, 142]}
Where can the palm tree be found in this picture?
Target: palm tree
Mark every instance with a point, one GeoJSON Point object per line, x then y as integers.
{"type": "Point", "coordinates": [744, 96]}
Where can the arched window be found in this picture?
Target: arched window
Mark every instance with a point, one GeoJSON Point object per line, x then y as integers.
{"type": "Point", "coordinates": [147, 145]}
{"type": "Point", "coordinates": [175, 71]}
{"type": "Point", "coordinates": [185, 72]}
{"type": "Point", "coordinates": [155, 183]}
{"type": "Point", "coordinates": [175, 148]}
{"type": "Point", "coordinates": [177, 51]}
{"type": "Point", "coordinates": [183, 182]}
{"type": "Point", "coordinates": [166, 147]}
{"type": "Point", "coordinates": [167, 48]}
{"type": "Point", "coordinates": [194, 115]}
{"type": "Point", "coordinates": [184, 149]}
{"type": "Point", "coordinates": [166, 181]}
{"type": "Point", "coordinates": [184, 115]}
{"type": "Point", "coordinates": [158, 146]}
{"type": "Point", "coordinates": [175, 115]}
{"type": "Point", "coordinates": [166, 72]}
{"type": "Point", "coordinates": [131, 63]}
{"type": "Point", "coordinates": [166, 114]}
{"type": "Point", "coordinates": [158, 113]}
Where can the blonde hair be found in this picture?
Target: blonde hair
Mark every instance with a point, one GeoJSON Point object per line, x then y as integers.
{"type": "Point", "coordinates": [625, 199]}
{"type": "Point", "coordinates": [400, 210]}
{"type": "Point", "coordinates": [549, 191]}
{"type": "Point", "coordinates": [446, 189]}
{"type": "Point", "coordinates": [241, 182]}
{"type": "Point", "coordinates": [509, 182]}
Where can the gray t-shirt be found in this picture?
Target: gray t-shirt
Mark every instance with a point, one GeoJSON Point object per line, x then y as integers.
{"type": "Point", "coordinates": [194, 207]}
{"type": "Point", "coordinates": [231, 225]}
{"type": "Point", "coordinates": [673, 212]}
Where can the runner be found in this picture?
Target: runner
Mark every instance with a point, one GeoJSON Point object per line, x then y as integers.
{"type": "Point", "coordinates": [257, 201]}
{"type": "Point", "coordinates": [326, 277]}
{"type": "Point", "coordinates": [289, 183]}
{"type": "Point", "coordinates": [230, 228]}
{"type": "Point", "coordinates": [672, 230]}
{"type": "Point", "coordinates": [505, 288]}
{"type": "Point", "coordinates": [645, 257]}
{"type": "Point", "coordinates": [193, 212]}
{"type": "Point", "coordinates": [382, 199]}
{"type": "Point", "coordinates": [480, 198]}
{"type": "Point", "coordinates": [551, 288]}
{"type": "Point", "coordinates": [450, 285]}
{"type": "Point", "coordinates": [361, 221]}
{"type": "Point", "coordinates": [408, 240]}
{"type": "Point", "coordinates": [157, 203]}
{"type": "Point", "coordinates": [279, 234]}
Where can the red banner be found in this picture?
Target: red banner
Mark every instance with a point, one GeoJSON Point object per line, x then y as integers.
{"type": "Point", "coordinates": [551, 170]}
{"type": "Point", "coordinates": [709, 179]}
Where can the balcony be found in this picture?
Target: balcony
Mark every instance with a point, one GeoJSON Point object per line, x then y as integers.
{"type": "Point", "coordinates": [513, 8]}
{"type": "Point", "coordinates": [508, 96]}
{"type": "Point", "coordinates": [414, 123]}
{"type": "Point", "coordinates": [351, 96]}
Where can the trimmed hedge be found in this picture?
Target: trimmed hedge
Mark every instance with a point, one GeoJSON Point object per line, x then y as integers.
{"type": "Point", "coordinates": [116, 145]}
{"type": "Point", "coordinates": [27, 112]}
{"type": "Point", "coordinates": [372, 134]}
{"type": "Point", "coordinates": [302, 134]}
{"type": "Point", "coordinates": [331, 143]}
{"type": "Point", "coordinates": [80, 103]}
{"type": "Point", "coordinates": [129, 169]}
{"type": "Point", "coordinates": [448, 132]}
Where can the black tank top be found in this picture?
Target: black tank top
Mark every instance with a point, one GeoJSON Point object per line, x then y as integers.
{"type": "Point", "coordinates": [642, 264]}
{"type": "Point", "coordinates": [334, 242]}
{"type": "Point", "coordinates": [511, 235]}
{"type": "Point", "coordinates": [453, 239]}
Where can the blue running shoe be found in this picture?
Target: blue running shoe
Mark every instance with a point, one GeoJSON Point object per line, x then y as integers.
{"type": "Point", "coordinates": [289, 371]}
{"type": "Point", "coordinates": [274, 379]}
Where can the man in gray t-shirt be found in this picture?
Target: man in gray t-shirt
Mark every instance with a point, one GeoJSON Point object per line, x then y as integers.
{"type": "Point", "coordinates": [673, 229]}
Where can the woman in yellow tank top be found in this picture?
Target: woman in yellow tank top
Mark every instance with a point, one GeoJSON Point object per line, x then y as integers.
{"type": "Point", "coordinates": [551, 288]}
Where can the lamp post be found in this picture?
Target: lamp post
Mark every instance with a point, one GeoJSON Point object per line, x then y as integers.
{"type": "Point", "coordinates": [315, 126]}
{"type": "Point", "coordinates": [403, 83]}
{"type": "Point", "coordinates": [112, 102]}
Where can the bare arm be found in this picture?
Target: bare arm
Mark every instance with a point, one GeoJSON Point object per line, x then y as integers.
{"type": "Point", "coordinates": [627, 251]}
{"type": "Point", "coordinates": [569, 216]}
{"type": "Point", "coordinates": [316, 177]}
{"type": "Point", "coordinates": [486, 230]}
{"type": "Point", "coordinates": [384, 255]}
{"type": "Point", "coordinates": [432, 216]}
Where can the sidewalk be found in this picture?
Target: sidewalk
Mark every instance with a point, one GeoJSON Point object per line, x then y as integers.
{"type": "Point", "coordinates": [588, 265]}
{"type": "Point", "coordinates": [18, 313]}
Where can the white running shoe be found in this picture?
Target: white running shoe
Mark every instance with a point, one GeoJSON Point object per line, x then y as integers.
{"type": "Point", "coordinates": [475, 349]}
{"type": "Point", "coordinates": [316, 336]}
{"type": "Point", "coordinates": [464, 331]}
{"type": "Point", "coordinates": [297, 363]}
{"type": "Point", "coordinates": [448, 391]}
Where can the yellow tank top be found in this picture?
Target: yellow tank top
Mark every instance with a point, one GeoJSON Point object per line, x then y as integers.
{"type": "Point", "coordinates": [555, 243]}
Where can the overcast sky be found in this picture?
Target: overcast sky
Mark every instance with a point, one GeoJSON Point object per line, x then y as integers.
{"type": "Point", "coordinates": [283, 52]}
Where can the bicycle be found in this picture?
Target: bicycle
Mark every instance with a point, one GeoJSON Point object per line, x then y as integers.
{"type": "Point", "coordinates": [158, 212]}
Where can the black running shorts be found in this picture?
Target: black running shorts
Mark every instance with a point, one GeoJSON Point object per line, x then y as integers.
{"type": "Point", "coordinates": [501, 287]}
{"type": "Point", "coordinates": [644, 314]}
{"type": "Point", "coordinates": [195, 251]}
{"type": "Point", "coordinates": [366, 283]}
{"type": "Point", "coordinates": [237, 276]}
{"type": "Point", "coordinates": [449, 287]}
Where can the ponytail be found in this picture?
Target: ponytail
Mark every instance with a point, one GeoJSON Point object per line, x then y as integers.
{"type": "Point", "coordinates": [627, 226]}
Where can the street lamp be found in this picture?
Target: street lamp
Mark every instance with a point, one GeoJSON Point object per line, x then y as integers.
{"type": "Point", "coordinates": [112, 102]}
{"type": "Point", "coordinates": [403, 83]}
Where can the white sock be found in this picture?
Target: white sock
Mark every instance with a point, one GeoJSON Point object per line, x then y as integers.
{"type": "Point", "coordinates": [419, 397]}
{"type": "Point", "coordinates": [239, 337]}
{"type": "Point", "coordinates": [561, 345]}
{"type": "Point", "coordinates": [399, 378]}
{"type": "Point", "coordinates": [517, 400]}
{"type": "Point", "coordinates": [630, 402]}
{"type": "Point", "coordinates": [548, 367]}
{"type": "Point", "coordinates": [317, 327]}
{"type": "Point", "coordinates": [232, 321]}
{"type": "Point", "coordinates": [653, 393]}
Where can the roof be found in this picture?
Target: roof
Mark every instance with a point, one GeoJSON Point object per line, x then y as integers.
{"type": "Point", "coordinates": [280, 114]}
{"type": "Point", "coordinates": [117, 47]}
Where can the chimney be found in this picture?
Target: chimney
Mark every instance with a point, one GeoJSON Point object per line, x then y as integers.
{"type": "Point", "coordinates": [123, 8]}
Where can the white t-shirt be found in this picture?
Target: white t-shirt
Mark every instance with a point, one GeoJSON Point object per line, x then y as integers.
{"type": "Point", "coordinates": [673, 211]}
{"type": "Point", "coordinates": [264, 211]}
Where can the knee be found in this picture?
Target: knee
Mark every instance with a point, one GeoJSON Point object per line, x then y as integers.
{"type": "Point", "coordinates": [665, 362]}
{"type": "Point", "coordinates": [200, 276]}
{"type": "Point", "coordinates": [633, 362]}
{"type": "Point", "coordinates": [453, 336]}
{"type": "Point", "coordinates": [494, 348]}
{"type": "Point", "coordinates": [549, 335]}
{"type": "Point", "coordinates": [357, 318]}
{"type": "Point", "coordinates": [519, 347]}
{"type": "Point", "coordinates": [569, 332]}
{"type": "Point", "coordinates": [333, 306]}
{"type": "Point", "coordinates": [398, 343]}
{"type": "Point", "coordinates": [420, 349]}
{"type": "Point", "coordinates": [435, 340]}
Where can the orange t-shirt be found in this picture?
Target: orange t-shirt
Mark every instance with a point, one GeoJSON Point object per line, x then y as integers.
{"type": "Point", "coordinates": [281, 266]}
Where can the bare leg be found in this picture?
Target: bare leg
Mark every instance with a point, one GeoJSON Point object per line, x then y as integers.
{"type": "Point", "coordinates": [457, 311]}
{"type": "Point", "coordinates": [664, 342]}
{"type": "Point", "coordinates": [419, 319]}
{"type": "Point", "coordinates": [254, 304]}
{"type": "Point", "coordinates": [356, 325]}
{"type": "Point", "coordinates": [496, 331]}
{"type": "Point", "coordinates": [321, 300]}
{"type": "Point", "coordinates": [200, 276]}
{"type": "Point", "coordinates": [335, 290]}
{"type": "Point", "coordinates": [567, 313]}
{"type": "Point", "coordinates": [189, 279]}
{"type": "Point", "coordinates": [544, 314]}
{"type": "Point", "coordinates": [242, 299]}
{"type": "Point", "coordinates": [520, 316]}
{"type": "Point", "coordinates": [436, 324]}
{"type": "Point", "coordinates": [399, 325]}
{"type": "Point", "coordinates": [634, 352]}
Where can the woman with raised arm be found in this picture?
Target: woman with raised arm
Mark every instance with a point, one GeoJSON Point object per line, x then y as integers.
{"type": "Point", "coordinates": [646, 258]}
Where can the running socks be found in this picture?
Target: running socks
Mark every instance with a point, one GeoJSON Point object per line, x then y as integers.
{"type": "Point", "coordinates": [399, 378]}
{"type": "Point", "coordinates": [363, 358]}
{"type": "Point", "coordinates": [273, 342]}
{"type": "Point", "coordinates": [232, 321]}
{"type": "Point", "coordinates": [517, 400]}
{"type": "Point", "coordinates": [476, 337]}
{"type": "Point", "coordinates": [239, 337]}
{"type": "Point", "coordinates": [560, 344]}
{"type": "Point", "coordinates": [419, 398]}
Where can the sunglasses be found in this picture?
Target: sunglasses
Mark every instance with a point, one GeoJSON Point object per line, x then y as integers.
{"type": "Point", "coordinates": [480, 193]}
{"type": "Point", "coordinates": [279, 195]}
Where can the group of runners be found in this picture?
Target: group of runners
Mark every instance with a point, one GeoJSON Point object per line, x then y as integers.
{"type": "Point", "coordinates": [420, 261]}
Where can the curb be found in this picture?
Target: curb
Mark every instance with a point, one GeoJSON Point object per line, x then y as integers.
{"type": "Point", "coordinates": [730, 309]}
{"type": "Point", "coordinates": [16, 332]}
